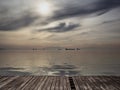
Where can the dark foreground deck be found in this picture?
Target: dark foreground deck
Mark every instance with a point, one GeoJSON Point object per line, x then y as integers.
{"type": "Point", "coordinates": [59, 83]}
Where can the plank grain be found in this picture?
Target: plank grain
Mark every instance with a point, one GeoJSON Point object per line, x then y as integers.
{"type": "Point", "coordinates": [59, 83]}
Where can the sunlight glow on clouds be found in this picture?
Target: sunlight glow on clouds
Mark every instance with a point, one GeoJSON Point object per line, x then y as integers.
{"type": "Point", "coordinates": [59, 22]}
{"type": "Point", "coordinates": [45, 8]}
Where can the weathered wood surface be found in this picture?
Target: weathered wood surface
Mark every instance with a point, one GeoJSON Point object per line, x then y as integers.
{"type": "Point", "coordinates": [59, 83]}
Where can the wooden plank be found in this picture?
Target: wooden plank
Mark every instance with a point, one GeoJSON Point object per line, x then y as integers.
{"type": "Point", "coordinates": [30, 84]}
{"type": "Point", "coordinates": [3, 79]}
{"type": "Point", "coordinates": [116, 81]}
{"type": "Point", "coordinates": [41, 78]}
{"type": "Point", "coordinates": [53, 84]}
{"type": "Point", "coordinates": [26, 84]}
{"type": "Point", "coordinates": [68, 84]}
{"type": "Point", "coordinates": [34, 83]}
{"type": "Point", "coordinates": [50, 83]}
{"type": "Point", "coordinates": [41, 85]}
{"type": "Point", "coordinates": [47, 83]}
{"type": "Point", "coordinates": [96, 83]}
{"type": "Point", "coordinates": [59, 83]}
{"type": "Point", "coordinates": [62, 83]}
{"type": "Point", "coordinates": [7, 81]}
{"type": "Point", "coordinates": [14, 84]}
{"type": "Point", "coordinates": [26, 80]}
{"type": "Point", "coordinates": [75, 82]}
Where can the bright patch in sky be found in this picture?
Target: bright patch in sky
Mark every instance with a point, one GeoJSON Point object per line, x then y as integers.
{"type": "Point", "coordinates": [63, 23]}
{"type": "Point", "coordinates": [44, 8]}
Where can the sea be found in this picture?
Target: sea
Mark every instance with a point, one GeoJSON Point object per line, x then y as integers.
{"type": "Point", "coordinates": [84, 62]}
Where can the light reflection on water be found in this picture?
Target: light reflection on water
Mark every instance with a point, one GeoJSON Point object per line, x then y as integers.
{"type": "Point", "coordinates": [59, 62]}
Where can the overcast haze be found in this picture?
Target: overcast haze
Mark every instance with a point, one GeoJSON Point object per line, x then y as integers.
{"type": "Point", "coordinates": [75, 23]}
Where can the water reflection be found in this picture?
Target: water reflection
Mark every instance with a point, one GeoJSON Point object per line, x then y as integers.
{"type": "Point", "coordinates": [64, 70]}
{"type": "Point", "coordinates": [60, 63]}
{"type": "Point", "coordinates": [60, 70]}
{"type": "Point", "coordinates": [13, 71]}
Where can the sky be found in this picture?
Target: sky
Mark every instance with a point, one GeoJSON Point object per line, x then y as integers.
{"type": "Point", "coordinates": [59, 23]}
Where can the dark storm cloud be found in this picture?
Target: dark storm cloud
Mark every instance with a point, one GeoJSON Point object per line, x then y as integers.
{"type": "Point", "coordinates": [15, 14]}
{"type": "Point", "coordinates": [62, 27]}
{"type": "Point", "coordinates": [67, 10]}
{"type": "Point", "coordinates": [99, 7]}
{"type": "Point", "coordinates": [17, 23]}
{"type": "Point", "coordinates": [110, 21]}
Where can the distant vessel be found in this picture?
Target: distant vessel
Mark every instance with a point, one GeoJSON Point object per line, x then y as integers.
{"type": "Point", "coordinates": [34, 49]}
{"type": "Point", "coordinates": [72, 48]}
{"type": "Point", "coordinates": [69, 48]}
{"type": "Point", "coordinates": [78, 48]}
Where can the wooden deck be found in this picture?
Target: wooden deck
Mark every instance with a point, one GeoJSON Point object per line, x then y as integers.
{"type": "Point", "coordinates": [59, 83]}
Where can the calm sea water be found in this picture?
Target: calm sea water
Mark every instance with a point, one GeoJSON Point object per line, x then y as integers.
{"type": "Point", "coordinates": [55, 62]}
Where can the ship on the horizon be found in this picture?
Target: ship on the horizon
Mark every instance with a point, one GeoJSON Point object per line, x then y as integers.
{"type": "Point", "coordinates": [72, 48]}
{"type": "Point", "coordinates": [34, 49]}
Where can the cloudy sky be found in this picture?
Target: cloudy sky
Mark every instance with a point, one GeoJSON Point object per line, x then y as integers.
{"type": "Point", "coordinates": [63, 23]}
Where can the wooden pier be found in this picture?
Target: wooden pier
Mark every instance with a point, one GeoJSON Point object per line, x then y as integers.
{"type": "Point", "coordinates": [59, 83]}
